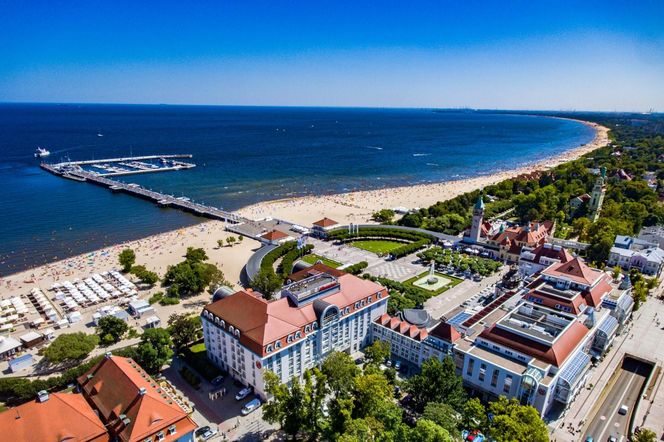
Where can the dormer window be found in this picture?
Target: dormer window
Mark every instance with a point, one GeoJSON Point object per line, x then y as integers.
{"type": "Point", "coordinates": [171, 429]}
{"type": "Point", "coordinates": [357, 305]}
{"type": "Point", "coordinates": [298, 335]}
{"type": "Point", "coordinates": [289, 338]}
{"type": "Point", "coordinates": [277, 344]}
{"type": "Point", "coordinates": [231, 329]}
{"type": "Point", "coordinates": [379, 295]}
{"type": "Point", "coordinates": [237, 332]}
{"type": "Point", "coordinates": [307, 328]}
{"type": "Point", "coordinates": [223, 323]}
{"type": "Point", "coordinates": [268, 348]}
{"type": "Point", "coordinates": [315, 325]}
{"type": "Point", "coordinates": [370, 298]}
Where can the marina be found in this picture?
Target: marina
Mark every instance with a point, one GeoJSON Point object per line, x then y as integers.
{"type": "Point", "coordinates": [127, 165]}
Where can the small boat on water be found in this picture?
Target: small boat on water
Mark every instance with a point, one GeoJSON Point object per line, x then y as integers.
{"type": "Point", "coordinates": [41, 153]}
{"type": "Point", "coordinates": [99, 134]}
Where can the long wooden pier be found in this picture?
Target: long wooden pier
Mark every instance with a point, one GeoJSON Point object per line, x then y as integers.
{"type": "Point", "coordinates": [75, 172]}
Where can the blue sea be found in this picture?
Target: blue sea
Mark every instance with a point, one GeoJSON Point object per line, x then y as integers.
{"type": "Point", "coordinates": [243, 155]}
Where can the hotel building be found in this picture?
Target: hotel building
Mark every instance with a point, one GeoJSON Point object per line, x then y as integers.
{"type": "Point", "coordinates": [320, 311]}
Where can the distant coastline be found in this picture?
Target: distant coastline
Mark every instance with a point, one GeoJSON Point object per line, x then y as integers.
{"type": "Point", "coordinates": [162, 249]}
{"type": "Point", "coordinates": [359, 205]}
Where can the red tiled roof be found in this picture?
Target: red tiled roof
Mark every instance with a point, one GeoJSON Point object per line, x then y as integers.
{"type": "Point", "coordinates": [555, 354]}
{"type": "Point", "coordinates": [263, 322]}
{"type": "Point", "coordinates": [274, 235]}
{"type": "Point", "coordinates": [114, 389]}
{"type": "Point", "coordinates": [403, 327]}
{"type": "Point", "coordinates": [446, 332]}
{"type": "Point", "coordinates": [325, 222]}
{"type": "Point", "coordinates": [575, 270]}
{"type": "Point", "coordinates": [64, 416]}
{"type": "Point", "coordinates": [548, 251]}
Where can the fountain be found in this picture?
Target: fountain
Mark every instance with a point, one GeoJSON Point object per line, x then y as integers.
{"type": "Point", "coordinates": [432, 279]}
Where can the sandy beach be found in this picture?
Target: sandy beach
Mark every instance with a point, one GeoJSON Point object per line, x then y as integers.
{"type": "Point", "coordinates": [159, 251]}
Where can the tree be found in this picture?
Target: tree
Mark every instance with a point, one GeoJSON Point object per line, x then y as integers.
{"type": "Point", "coordinates": [428, 431]}
{"type": "Point", "coordinates": [146, 276]}
{"type": "Point", "coordinates": [515, 422]}
{"type": "Point", "coordinates": [127, 259]}
{"type": "Point", "coordinates": [220, 243]}
{"type": "Point", "coordinates": [111, 329]}
{"type": "Point", "coordinates": [474, 415]}
{"type": "Point", "coordinates": [616, 273]}
{"type": "Point", "coordinates": [266, 282]}
{"type": "Point", "coordinates": [296, 408]}
{"type": "Point", "coordinates": [70, 347]}
{"type": "Point", "coordinates": [377, 352]}
{"type": "Point", "coordinates": [443, 415]}
{"type": "Point", "coordinates": [369, 392]}
{"type": "Point", "coordinates": [195, 255]}
{"type": "Point", "coordinates": [191, 275]}
{"type": "Point", "coordinates": [437, 382]}
{"type": "Point", "coordinates": [184, 329]}
{"type": "Point", "coordinates": [154, 350]}
{"type": "Point", "coordinates": [340, 370]}
{"type": "Point", "coordinates": [230, 241]}
{"type": "Point", "coordinates": [644, 435]}
{"type": "Point", "coordinates": [383, 216]}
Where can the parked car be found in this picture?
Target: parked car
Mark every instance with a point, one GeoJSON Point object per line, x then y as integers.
{"type": "Point", "coordinates": [397, 365]}
{"type": "Point", "coordinates": [250, 406]}
{"type": "Point", "coordinates": [246, 391]}
{"type": "Point", "coordinates": [613, 439]}
{"type": "Point", "coordinates": [205, 433]}
{"type": "Point", "coordinates": [388, 363]}
{"type": "Point", "coordinates": [217, 381]}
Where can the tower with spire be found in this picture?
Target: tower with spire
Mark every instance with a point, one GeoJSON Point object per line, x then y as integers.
{"type": "Point", "coordinates": [597, 196]}
{"type": "Point", "coordinates": [478, 218]}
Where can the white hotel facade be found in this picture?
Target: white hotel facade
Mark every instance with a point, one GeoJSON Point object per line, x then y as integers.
{"type": "Point", "coordinates": [323, 310]}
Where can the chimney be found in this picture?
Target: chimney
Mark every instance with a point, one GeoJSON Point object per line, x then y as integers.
{"type": "Point", "coordinates": [141, 391]}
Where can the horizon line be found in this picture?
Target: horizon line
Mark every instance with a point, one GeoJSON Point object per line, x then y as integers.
{"type": "Point", "coordinates": [464, 108]}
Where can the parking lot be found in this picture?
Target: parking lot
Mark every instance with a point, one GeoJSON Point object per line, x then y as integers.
{"type": "Point", "coordinates": [222, 413]}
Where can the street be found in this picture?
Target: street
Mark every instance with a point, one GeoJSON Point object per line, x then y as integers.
{"type": "Point", "coordinates": [626, 390]}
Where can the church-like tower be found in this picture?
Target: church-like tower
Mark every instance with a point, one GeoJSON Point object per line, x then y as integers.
{"type": "Point", "coordinates": [597, 196]}
{"type": "Point", "coordinates": [478, 218]}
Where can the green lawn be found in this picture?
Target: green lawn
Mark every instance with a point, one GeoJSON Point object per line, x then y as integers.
{"type": "Point", "coordinates": [313, 259]}
{"type": "Point", "coordinates": [380, 246]}
{"type": "Point", "coordinates": [453, 281]}
{"type": "Point", "coordinates": [196, 357]}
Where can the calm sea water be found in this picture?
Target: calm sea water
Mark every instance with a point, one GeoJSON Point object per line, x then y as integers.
{"type": "Point", "coordinates": [244, 155]}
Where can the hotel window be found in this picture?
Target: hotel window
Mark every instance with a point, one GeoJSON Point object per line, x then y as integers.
{"type": "Point", "coordinates": [469, 370]}
{"type": "Point", "coordinates": [171, 429]}
{"type": "Point", "coordinates": [277, 344]}
{"type": "Point", "coordinates": [494, 378]}
{"type": "Point", "coordinates": [370, 298]}
{"type": "Point", "coordinates": [508, 384]}
{"type": "Point", "coordinates": [482, 372]}
{"type": "Point", "coordinates": [160, 435]}
{"type": "Point", "coordinates": [289, 338]}
{"type": "Point", "coordinates": [298, 335]}
{"type": "Point", "coordinates": [269, 348]}
{"type": "Point", "coordinates": [347, 310]}
{"type": "Point", "coordinates": [357, 305]}
{"type": "Point", "coordinates": [379, 295]}
{"type": "Point", "coordinates": [307, 329]}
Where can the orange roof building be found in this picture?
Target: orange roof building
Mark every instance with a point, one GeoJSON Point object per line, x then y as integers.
{"type": "Point", "coordinates": [321, 311]}
{"type": "Point", "coordinates": [54, 417]}
{"type": "Point", "coordinates": [133, 406]}
{"type": "Point", "coordinates": [275, 237]}
{"type": "Point", "coordinates": [322, 226]}
{"type": "Point", "coordinates": [535, 259]}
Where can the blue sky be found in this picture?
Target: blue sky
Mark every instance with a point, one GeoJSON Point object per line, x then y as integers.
{"type": "Point", "coordinates": [482, 54]}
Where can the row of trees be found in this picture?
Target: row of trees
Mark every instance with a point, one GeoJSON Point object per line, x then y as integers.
{"type": "Point", "coordinates": [460, 261]}
{"type": "Point", "coordinates": [341, 402]}
{"type": "Point", "coordinates": [230, 241]}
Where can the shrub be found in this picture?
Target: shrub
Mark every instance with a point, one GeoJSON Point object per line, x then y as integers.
{"type": "Point", "coordinates": [357, 268]}
{"type": "Point", "coordinates": [156, 297]}
{"type": "Point", "coordinates": [169, 300]}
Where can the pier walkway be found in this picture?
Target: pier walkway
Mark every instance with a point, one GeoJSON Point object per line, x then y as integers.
{"type": "Point", "coordinates": [164, 200]}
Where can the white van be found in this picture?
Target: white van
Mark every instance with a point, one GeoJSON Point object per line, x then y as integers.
{"type": "Point", "coordinates": [251, 406]}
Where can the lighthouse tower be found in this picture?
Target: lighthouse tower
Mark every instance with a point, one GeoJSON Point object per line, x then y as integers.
{"type": "Point", "coordinates": [478, 218]}
{"type": "Point", "coordinates": [597, 196]}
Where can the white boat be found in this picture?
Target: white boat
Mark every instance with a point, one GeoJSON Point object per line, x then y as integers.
{"type": "Point", "coordinates": [99, 134]}
{"type": "Point", "coordinates": [41, 153]}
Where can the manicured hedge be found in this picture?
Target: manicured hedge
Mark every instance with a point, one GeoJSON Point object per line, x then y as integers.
{"type": "Point", "coordinates": [286, 265]}
{"type": "Point", "coordinates": [407, 249]}
{"type": "Point", "coordinates": [357, 268]}
{"type": "Point", "coordinates": [382, 233]}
